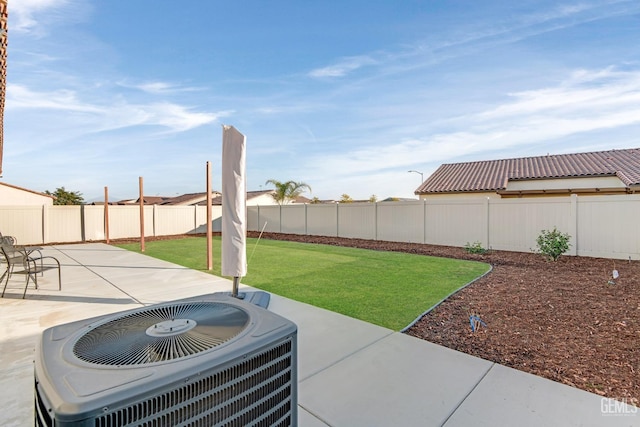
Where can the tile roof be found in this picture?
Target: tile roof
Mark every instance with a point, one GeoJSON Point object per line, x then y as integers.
{"type": "Point", "coordinates": [189, 198]}
{"type": "Point", "coordinates": [217, 201]}
{"type": "Point", "coordinates": [493, 175]}
{"type": "Point", "coordinates": [153, 200]}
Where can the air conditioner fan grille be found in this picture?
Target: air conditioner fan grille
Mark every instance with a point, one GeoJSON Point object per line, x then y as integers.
{"type": "Point", "coordinates": [132, 339]}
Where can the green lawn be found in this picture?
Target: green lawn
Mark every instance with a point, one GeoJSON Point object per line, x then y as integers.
{"type": "Point", "coordinates": [389, 289]}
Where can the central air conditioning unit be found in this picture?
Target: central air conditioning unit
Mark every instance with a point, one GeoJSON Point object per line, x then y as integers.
{"type": "Point", "coordinates": [205, 361]}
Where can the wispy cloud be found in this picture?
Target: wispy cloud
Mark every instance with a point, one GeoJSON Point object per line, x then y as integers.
{"type": "Point", "coordinates": [120, 114]}
{"type": "Point", "coordinates": [585, 92]}
{"type": "Point", "coordinates": [25, 13]}
{"type": "Point", "coordinates": [342, 67]}
{"type": "Point", "coordinates": [20, 96]}
{"type": "Point", "coordinates": [159, 87]}
{"type": "Point", "coordinates": [587, 101]}
{"type": "Point", "coordinates": [479, 37]}
{"type": "Point", "coordinates": [177, 118]}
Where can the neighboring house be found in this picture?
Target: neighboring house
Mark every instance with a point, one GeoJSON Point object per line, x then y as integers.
{"type": "Point", "coordinates": [397, 199]}
{"type": "Point", "coordinates": [254, 198]}
{"type": "Point", "coordinates": [594, 173]}
{"type": "Point", "coordinates": [148, 200]}
{"type": "Point", "coordinates": [190, 199]}
{"type": "Point", "coordinates": [11, 195]}
{"type": "Point", "coordinates": [301, 200]}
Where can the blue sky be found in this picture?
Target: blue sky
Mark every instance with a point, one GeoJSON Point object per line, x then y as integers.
{"type": "Point", "coordinates": [347, 96]}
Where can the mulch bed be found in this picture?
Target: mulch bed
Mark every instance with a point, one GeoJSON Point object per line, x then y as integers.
{"type": "Point", "coordinates": [559, 320]}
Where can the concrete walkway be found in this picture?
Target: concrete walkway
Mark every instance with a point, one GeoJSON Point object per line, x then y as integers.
{"type": "Point", "coordinates": [351, 373]}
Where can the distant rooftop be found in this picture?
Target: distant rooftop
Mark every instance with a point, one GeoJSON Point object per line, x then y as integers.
{"type": "Point", "coordinates": [493, 175]}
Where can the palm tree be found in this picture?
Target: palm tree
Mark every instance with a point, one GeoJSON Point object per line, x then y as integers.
{"type": "Point", "coordinates": [287, 191]}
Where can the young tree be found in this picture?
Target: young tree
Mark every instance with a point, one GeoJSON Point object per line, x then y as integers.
{"type": "Point", "coordinates": [373, 198]}
{"type": "Point", "coordinates": [345, 198]}
{"type": "Point", "coordinates": [64, 197]}
{"type": "Point", "coordinates": [288, 191]}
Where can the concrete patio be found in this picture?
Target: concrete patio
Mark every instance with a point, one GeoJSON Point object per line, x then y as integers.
{"type": "Point", "coordinates": [350, 373]}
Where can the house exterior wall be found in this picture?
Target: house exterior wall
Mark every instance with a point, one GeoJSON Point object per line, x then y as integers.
{"type": "Point", "coordinates": [15, 196]}
{"type": "Point", "coordinates": [262, 200]}
{"type": "Point", "coordinates": [460, 196]}
{"type": "Point", "coordinates": [566, 183]}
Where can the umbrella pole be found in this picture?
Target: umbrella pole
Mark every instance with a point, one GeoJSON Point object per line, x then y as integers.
{"type": "Point", "coordinates": [234, 292]}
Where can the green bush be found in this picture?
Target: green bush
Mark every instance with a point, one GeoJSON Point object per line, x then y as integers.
{"type": "Point", "coordinates": [553, 243]}
{"type": "Point", "coordinates": [475, 248]}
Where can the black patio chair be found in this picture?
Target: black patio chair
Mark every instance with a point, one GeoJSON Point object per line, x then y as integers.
{"type": "Point", "coordinates": [21, 260]}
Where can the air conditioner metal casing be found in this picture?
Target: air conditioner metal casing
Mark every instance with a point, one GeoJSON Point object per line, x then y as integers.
{"type": "Point", "coordinates": [249, 380]}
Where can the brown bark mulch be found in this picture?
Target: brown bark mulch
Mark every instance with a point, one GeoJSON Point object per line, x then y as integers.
{"type": "Point", "coordinates": [560, 320]}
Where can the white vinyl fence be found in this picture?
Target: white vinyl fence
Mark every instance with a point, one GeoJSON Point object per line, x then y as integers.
{"type": "Point", "coordinates": [599, 226]}
{"type": "Point", "coordinates": [32, 225]}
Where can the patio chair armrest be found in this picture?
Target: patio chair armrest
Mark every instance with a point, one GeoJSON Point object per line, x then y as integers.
{"type": "Point", "coordinates": [39, 261]}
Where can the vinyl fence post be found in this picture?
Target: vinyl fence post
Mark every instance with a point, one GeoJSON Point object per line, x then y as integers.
{"type": "Point", "coordinates": [141, 188]}
{"type": "Point", "coordinates": [106, 214]}
{"type": "Point", "coordinates": [375, 220]}
{"type": "Point", "coordinates": [487, 239]}
{"type": "Point", "coordinates": [45, 224]}
{"type": "Point", "coordinates": [573, 225]}
{"type": "Point", "coordinates": [83, 225]}
{"type": "Point", "coordinates": [424, 221]}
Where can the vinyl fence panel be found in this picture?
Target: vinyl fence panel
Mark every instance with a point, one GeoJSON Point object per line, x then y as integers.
{"type": "Point", "coordinates": [357, 220]}
{"type": "Point", "coordinates": [271, 216]}
{"type": "Point", "coordinates": [172, 220]}
{"type": "Point", "coordinates": [124, 222]}
{"type": "Point", "coordinates": [293, 219]}
{"type": "Point", "coordinates": [94, 223]}
{"type": "Point", "coordinates": [253, 218]}
{"type": "Point", "coordinates": [456, 222]}
{"type": "Point", "coordinates": [201, 219]}
{"type": "Point", "coordinates": [515, 224]}
{"type": "Point", "coordinates": [22, 222]}
{"type": "Point", "coordinates": [609, 226]}
{"type": "Point", "coordinates": [63, 224]}
{"type": "Point", "coordinates": [400, 221]}
{"type": "Point", "coordinates": [322, 220]}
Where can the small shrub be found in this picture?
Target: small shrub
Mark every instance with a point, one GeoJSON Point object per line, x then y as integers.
{"type": "Point", "coordinates": [475, 248]}
{"type": "Point", "coordinates": [553, 243]}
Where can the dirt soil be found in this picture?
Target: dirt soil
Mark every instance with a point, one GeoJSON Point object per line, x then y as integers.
{"type": "Point", "coordinates": [560, 320]}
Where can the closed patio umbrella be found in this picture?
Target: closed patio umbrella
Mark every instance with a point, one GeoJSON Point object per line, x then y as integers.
{"type": "Point", "coordinates": [234, 206]}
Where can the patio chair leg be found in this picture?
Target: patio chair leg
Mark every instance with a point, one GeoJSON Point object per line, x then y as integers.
{"type": "Point", "coordinates": [26, 285]}
{"type": "Point", "coordinates": [34, 277]}
{"type": "Point", "coordinates": [6, 273]}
